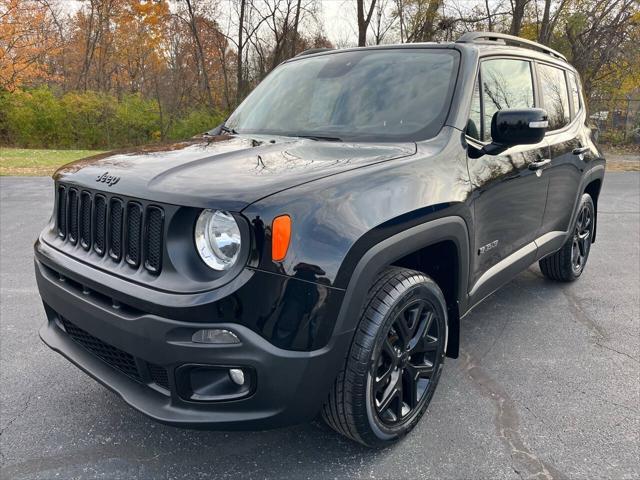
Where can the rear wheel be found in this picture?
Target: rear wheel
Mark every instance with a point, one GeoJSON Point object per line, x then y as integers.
{"type": "Point", "coordinates": [568, 263]}
{"type": "Point", "coordinates": [394, 362]}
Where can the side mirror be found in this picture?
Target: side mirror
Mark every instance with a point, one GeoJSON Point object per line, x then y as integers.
{"type": "Point", "coordinates": [510, 127]}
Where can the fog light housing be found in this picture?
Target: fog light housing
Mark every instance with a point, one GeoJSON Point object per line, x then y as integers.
{"type": "Point", "coordinates": [215, 335]}
{"type": "Point", "coordinates": [214, 383]}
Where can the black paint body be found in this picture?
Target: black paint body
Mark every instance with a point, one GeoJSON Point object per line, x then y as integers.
{"type": "Point", "coordinates": [355, 208]}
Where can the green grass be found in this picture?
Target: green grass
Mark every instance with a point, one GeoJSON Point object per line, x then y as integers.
{"type": "Point", "coordinates": [27, 161]}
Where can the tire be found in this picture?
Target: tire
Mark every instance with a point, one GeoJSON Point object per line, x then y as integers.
{"type": "Point", "coordinates": [568, 263]}
{"type": "Point", "coordinates": [401, 335]}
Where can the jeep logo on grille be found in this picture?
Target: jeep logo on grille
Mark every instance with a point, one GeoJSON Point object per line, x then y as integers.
{"type": "Point", "coordinates": [110, 180]}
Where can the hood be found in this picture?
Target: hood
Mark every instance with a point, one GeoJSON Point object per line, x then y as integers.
{"type": "Point", "coordinates": [222, 172]}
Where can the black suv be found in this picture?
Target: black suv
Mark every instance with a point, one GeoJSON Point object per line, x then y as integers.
{"type": "Point", "coordinates": [316, 252]}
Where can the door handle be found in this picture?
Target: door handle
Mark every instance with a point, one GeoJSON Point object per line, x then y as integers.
{"type": "Point", "coordinates": [580, 151]}
{"type": "Point", "coordinates": [539, 164]}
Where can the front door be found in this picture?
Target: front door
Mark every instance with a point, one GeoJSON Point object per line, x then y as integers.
{"type": "Point", "coordinates": [510, 189]}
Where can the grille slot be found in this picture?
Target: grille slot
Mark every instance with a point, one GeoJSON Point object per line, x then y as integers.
{"type": "Point", "coordinates": [100, 224]}
{"type": "Point", "coordinates": [153, 239]}
{"type": "Point", "coordinates": [127, 230]}
{"type": "Point", "coordinates": [72, 219]}
{"type": "Point", "coordinates": [115, 229]}
{"type": "Point", "coordinates": [62, 211]}
{"type": "Point", "coordinates": [134, 231]}
{"type": "Point", "coordinates": [159, 375]}
{"type": "Point", "coordinates": [111, 355]}
{"type": "Point", "coordinates": [85, 220]}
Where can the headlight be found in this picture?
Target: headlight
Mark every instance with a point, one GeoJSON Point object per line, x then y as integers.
{"type": "Point", "coordinates": [217, 237]}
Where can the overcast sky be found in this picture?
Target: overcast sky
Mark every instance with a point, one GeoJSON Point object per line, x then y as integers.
{"type": "Point", "coordinates": [338, 20]}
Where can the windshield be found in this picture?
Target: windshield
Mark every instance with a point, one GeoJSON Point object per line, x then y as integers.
{"type": "Point", "coordinates": [381, 95]}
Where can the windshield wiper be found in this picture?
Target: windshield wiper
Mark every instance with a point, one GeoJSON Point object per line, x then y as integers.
{"type": "Point", "coordinates": [225, 129]}
{"type": "Point", "coordinates": [320, 137]}
{"type": "Point", "coordinates": [222, 129]}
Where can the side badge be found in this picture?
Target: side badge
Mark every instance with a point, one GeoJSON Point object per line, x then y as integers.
{"type": "Point", "coordinates": [487, 247]}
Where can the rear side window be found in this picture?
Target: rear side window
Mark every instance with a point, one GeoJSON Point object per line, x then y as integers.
{"type": "Point", "coordinates": [554, 96]}
{"type": "Point", "coordinates": [575, 93]}
{"type": "Point", "coordinates": [506, 83]}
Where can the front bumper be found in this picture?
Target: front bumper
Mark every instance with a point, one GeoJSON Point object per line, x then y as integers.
{"type": "Point", "coordinates": [289, 386]}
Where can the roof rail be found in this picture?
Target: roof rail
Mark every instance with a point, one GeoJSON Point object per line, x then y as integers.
{"type": "Point", "coordinates": [313, 50]}
{"type": "Point", "coordinates": [479, 37]}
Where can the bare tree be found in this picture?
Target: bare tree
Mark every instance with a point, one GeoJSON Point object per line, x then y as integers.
{"type": "Point", "coordinates": [247, 25]}
{"type": "Point", "coordinates": [191, 17]}
{"type": "Point", "coordinates": [384, 21]}
{"type": "Point", "coordinates": [599, 36]}
{"type": "Point", "coordinates": [417, 19]}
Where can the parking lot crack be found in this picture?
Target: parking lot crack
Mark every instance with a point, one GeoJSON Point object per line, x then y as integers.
{"type": "Point", "coordinates": [579, 314]}
{"type": "Point", "coordinates": [625, 354]}
{"type": "Point", "coordinates": [507, 423]}
{"type": "Point", "coordinates": [18, 415]}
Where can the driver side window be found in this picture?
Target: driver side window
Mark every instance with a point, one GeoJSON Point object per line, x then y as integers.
{"type": "Point", "coordinates": [506, 83]}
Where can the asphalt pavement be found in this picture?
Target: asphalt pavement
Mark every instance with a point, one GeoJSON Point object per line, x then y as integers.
{"type": "Point", "coordinates": [547, 385]}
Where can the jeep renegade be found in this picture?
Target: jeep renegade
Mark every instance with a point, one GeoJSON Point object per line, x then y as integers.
{"type": "Point", "coordinates": [314, 254]}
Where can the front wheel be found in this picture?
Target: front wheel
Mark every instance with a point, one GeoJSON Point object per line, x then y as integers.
{"type": "Point", "coordinates": [394, 362]}
{"type": "Point", "coordinates": [568, 263]}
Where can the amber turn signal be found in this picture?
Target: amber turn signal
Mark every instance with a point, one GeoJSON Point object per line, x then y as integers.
{"type": "Point", "coordinates": [280, 236]}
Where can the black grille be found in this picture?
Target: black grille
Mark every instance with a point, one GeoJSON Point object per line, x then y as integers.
{"type": "Point", "coordinates": [108, 353]}
{"type": "Point", "coordinates": [159, 375]}
{"type": "Point", "coordinates": [153, 245]}
{"type": "Point", "coordinates": [85, 220]}
{"type": "Point", "coordinates": [134, 232]}
{"type": "Point", "coordinates": [100, 224]}
{"type": "Point", "coordinates": [126, 230]}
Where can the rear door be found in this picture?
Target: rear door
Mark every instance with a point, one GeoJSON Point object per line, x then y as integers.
{"type": "Point", "coordinates": [561, 99]}
{"type": "Point", "coordinates": [509, 192]}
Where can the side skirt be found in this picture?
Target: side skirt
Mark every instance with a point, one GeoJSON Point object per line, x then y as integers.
{"type": "Point", "coordinates": [503, 271]}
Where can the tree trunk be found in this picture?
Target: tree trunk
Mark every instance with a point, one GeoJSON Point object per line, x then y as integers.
{"type": "Point", "coordinates": [489, 15]}
{"type": "Point", "coordinates": [428, 31]}
{"type": "Point", "coordinates": [545, 32]}
{"type": "Point", "coordinates": [200, 54]}
{"type": "Point", "coordinates": [294, 37]}
{"type": "Point", "coordinates": [363, 21]}
{"type": "Point", "coordinates": [518, 16]}
{"type": "Point", "coordinates": [239, 72]}
{"type": "Point", "coordinates": [400, 8]}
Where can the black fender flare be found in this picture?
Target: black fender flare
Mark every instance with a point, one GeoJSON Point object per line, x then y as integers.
{"type": "Point", "coordinates": [384, 253]}
{"type": "Point", "coordinates": [596, 173]}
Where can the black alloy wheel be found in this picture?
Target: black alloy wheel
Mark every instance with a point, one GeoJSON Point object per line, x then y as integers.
{"type": "Point", "coordinates": [582, 238]}
{"type": "Point", "coordinates": [568, 263]}
{"type": "Point", "coordinates": [402, 372]}
{"type": "Point", "coordinates": [395, 360]}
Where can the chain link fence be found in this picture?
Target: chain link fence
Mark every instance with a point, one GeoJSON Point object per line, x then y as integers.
{"type": "Point", "coordinates": [617, 119]}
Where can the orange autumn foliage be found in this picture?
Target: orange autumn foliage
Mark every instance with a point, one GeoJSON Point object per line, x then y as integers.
{"type": "Point", "coordinates": [27, 40]}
